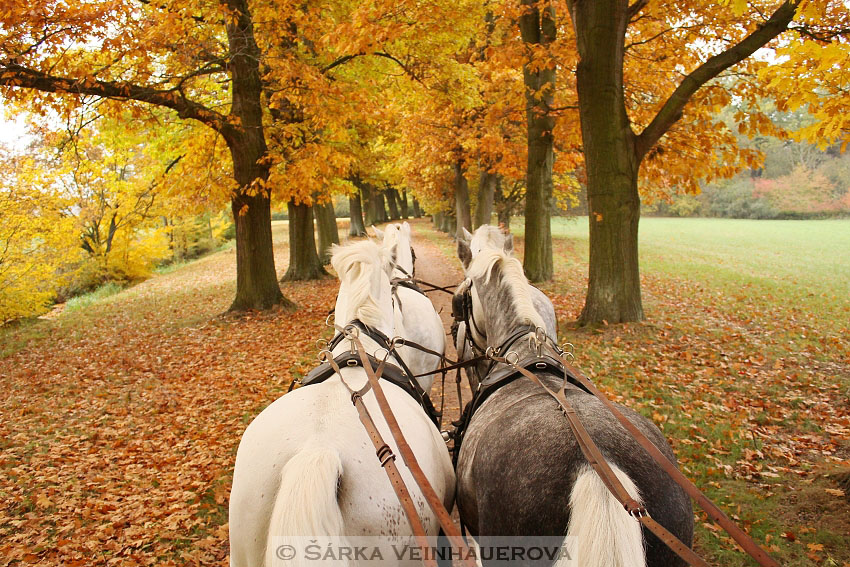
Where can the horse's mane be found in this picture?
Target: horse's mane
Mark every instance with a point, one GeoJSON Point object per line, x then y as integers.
{"type": "Point", "coordinates": [488, 261]}
{"type": "Point", "coordinates": [359, 266]}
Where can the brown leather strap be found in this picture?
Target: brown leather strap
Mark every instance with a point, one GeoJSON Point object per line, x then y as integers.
{"type": "Point", "coordinates": [609, 478]}
{"type": "Point", "coordinates": [387, 459]}
{"type": "Point", "coordinates": [715, 513]}
{"type": "Point", "coordinates": [449, 528]}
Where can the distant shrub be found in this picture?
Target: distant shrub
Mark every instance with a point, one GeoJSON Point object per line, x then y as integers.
{"type": "Point", "coordinates": [735, 199]}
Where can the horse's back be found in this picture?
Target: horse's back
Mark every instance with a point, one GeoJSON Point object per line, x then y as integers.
{"type": "Point", "coordinates": [322, 416]}
{"type": "Point", "coordinates": [520, 460]}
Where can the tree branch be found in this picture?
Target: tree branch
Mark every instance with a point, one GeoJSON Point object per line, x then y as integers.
{"type": "Point", "coordinates": [671, 111]}
{"type": "Point", "coordinates": [14, 75]}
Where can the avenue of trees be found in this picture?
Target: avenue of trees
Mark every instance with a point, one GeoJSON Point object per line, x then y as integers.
{"type": "Point", "coordinates": [463, 108]}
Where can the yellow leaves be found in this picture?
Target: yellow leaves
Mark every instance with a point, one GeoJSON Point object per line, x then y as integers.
{"type": "Point", "coordinates": [834, 492]}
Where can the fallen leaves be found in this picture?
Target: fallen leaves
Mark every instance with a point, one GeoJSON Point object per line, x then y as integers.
{"type": "Point", "coordinates": [120, 426]}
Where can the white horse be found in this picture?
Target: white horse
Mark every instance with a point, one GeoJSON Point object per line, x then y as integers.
{"type": "Point", "coordinates": [414, 312]}
{"type": "Point", "coordinates": [306, 467]}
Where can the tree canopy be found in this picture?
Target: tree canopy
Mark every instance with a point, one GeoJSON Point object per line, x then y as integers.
{"type": "Point", "coordinates": [469, 106]}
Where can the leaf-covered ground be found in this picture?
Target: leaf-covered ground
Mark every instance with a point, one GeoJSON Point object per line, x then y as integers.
{"type": "Point", "coordinates": [119, 420]}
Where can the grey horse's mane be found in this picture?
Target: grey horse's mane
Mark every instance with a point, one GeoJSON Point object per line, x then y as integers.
{"type": "Point", "coordinates": [513, 277]}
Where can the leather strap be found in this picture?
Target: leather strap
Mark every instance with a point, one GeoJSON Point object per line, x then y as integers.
{"type": "Point", "coordinates": [449, 528]}
{"type": "Point", "coordinates": [715, 513]}
{"type": "Point", "coordinates": [609, 478]}
{"type": "Point", "coordinates": [387, 459]}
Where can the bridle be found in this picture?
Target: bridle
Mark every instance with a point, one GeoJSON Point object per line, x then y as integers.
{"type": "Point", "coordinates": [463, 312]}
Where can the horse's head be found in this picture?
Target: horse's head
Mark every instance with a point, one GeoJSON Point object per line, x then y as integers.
{"type": "Point", "coordinates": [492, 305]}
{"type": "Point", "coordinates": [485, 237]}
{"type": "Point", "coordinates": [396, 238]}
{"type": "Point", "coordinates": [364, 291]}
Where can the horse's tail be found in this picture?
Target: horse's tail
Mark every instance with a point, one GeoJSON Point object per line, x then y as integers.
{"type": "Point", "coordinates": [601, 533]}
{"type": "Point", "coordinates": [305, 506]}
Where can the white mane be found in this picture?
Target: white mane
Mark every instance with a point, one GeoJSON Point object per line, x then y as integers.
{"type": "Point", "coordinates": [486, 262]}
{"type": "Point", "coordinates": [360, 267]}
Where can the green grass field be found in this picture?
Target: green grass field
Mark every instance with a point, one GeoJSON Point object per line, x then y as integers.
{"type": "Point", "coordinates": [814, 255]}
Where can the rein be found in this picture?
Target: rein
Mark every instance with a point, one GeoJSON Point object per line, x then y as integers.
{"type": "Point", "coordinates": [387, 458]}
{"type": "Point", "coordinates": [594, 456]}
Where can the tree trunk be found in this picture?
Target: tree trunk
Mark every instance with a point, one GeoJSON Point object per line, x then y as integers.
{"type": "Point", "coordinates": [404, 208]}
{"type": "Point", "coordinates": [461, 190]}
{"type": "Point", "coordinates": [437, 219]}
{"type": "Point", "coordinates": [487, 183]}
{"type": "Point", "coordinates": [392, 203]}
{"type": "Point", "coordinates": [417, 212]}
{"type": "Point", "coordinates": [256, 279]}
{"type": "Point", "coordinates": [356, 213]}
{"type": "Point", "coordinates": [538, 29]}
{"type": "Point", "coordinates": [304, 263]}
{"type": "Point", "coordinates": [613, 293]}
{"type": "Point", "coordinates": [380, 206]}
{"type": "Point", "coordinates": [328, 232]}
{"type": "Point", "coordinates": [450, 225]}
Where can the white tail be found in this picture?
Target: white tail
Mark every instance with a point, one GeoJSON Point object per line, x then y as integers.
{"type": "Point", "coordinates": [601, 533]}
{"type": "Point", "coordinates": [305, 505]}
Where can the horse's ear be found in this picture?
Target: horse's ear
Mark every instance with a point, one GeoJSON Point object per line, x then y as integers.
{"type": "Point", "coordinates": [378, 232]}
{"type": "Point", "coordinates": [466, 234]}
{"type": "Point", "coordinates": [405, 227]}
{"type": "Point", "coordinates": [464, 252]}
{"type": "Point", "coordinates": [509, 244]}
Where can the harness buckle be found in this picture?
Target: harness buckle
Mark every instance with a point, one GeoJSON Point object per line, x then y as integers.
{"type": "Point", "coordinates": [515, 360]}
{"type": "Point", "coordinates": [386, 354]}
{"type": "Point", "coordinates": [351, 362]}
{"type": "Point", "coordinates": [540, 365]}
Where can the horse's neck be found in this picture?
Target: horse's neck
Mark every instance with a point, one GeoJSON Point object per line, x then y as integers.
{"type": "Point", "coordinates": [404, 258]}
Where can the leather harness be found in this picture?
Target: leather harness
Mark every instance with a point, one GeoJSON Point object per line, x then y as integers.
{"type": "Point", "coordinates": [391, 373]}
{"type": "Point", "coordinates": [556, 364]}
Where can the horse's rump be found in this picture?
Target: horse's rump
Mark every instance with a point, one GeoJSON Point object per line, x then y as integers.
{"type": "Point", "coordinates": [520, 460]}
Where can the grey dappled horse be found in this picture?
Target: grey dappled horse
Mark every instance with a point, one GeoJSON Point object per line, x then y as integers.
{"type": "Point", "coordinates": [520, 471]}
{"type": "Point", "coordinates": [469, 245]}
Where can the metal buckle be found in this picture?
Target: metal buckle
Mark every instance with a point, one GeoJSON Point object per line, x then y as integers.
{"type": "Point", "coordinates": [386, 354]}
{"type": "Point", "coordinates": [351, 332]}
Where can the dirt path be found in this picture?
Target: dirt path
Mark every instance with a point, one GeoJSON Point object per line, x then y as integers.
{"type": "Point", "coordinates": [433, 267]}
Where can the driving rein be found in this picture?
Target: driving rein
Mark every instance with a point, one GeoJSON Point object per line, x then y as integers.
{"type": "Point", "coordinates": [554, 362]}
